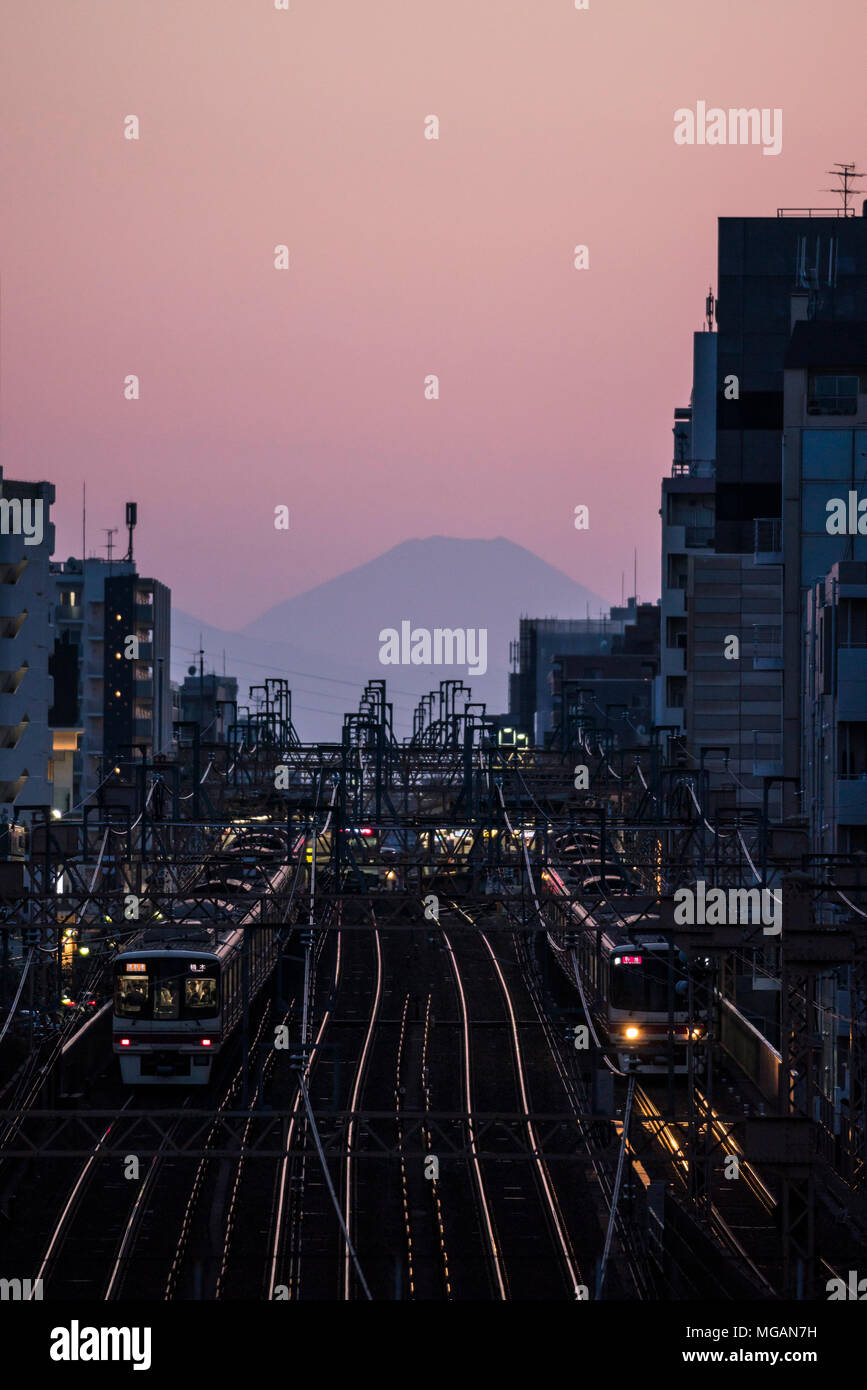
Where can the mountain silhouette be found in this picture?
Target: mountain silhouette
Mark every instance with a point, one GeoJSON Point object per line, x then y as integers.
{"type": "Point", "coordinates": [326, 641]}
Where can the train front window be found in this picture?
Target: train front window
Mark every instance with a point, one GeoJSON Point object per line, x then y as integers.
{"type": "Point", "coordinates": [131, 995]}
{"type": "Point", "coordinates": [200, 997]}
{"type": "Point", "coordinates": [167, 989]}
{"type": "Point", "coordinates": [639, 983]}
{"type": "Point", "coordinates": [167, 998]}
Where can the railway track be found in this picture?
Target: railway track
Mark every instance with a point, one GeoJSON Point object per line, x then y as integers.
{"type": "Point", "coordinates": [307, 1250]}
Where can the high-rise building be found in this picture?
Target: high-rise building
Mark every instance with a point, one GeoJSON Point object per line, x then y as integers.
{"type": "Point", "coordinates": [137, 666]}
{"type": "Point", "coordinates": [784, 712]}
{"type": "Point", "coordinates": [109, 701]}
{"type": "Point", "coordinates": [763, 262]}
{"type": "Point", "coordinates": [775, 274]}
{"type": "Point", "coordinates": [26, 643]}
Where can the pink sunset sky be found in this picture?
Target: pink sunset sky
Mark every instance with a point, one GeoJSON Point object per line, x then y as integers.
{"type": "Point", "coordinates": [407, 257]}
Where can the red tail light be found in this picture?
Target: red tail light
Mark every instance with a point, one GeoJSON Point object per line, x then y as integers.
{"type": "Point", "coordinates": [206, 1042]}
{"type": "Point", "coordinates": [124, 1042]}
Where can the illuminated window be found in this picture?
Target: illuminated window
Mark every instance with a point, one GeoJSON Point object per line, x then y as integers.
{"type": "Point", "coordinates": [131, 995]}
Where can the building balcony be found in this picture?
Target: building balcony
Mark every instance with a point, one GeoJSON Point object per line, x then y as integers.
{"type": "Point", "coordinates": [143, 690]}
{"type": "Point", "coordinates": [18, 706]}
{"type": "Point", "coordinates": [68, 613]}
{"type": "Point", "coordinates": [698, 537]}
{"type": "Point", "coordinates": [142, 729]}
{"type": "Point", "coordinates": [13, 652]}
{"type": "Point", "coordinates": [143, 615]}
{"type": "Point", "coordinates": [852, 800]}
{"type": "Point", "coordinates": [768, 540]}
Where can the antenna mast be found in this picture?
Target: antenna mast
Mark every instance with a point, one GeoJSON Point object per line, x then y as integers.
{"type": "Point", "coordinates": [847, 173]}
{"type": "Point", "coordinates": [131, 519]}
{"type": "Point", "coordinates": [709, 307]}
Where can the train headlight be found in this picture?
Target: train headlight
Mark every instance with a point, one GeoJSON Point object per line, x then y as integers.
{"type": "Point", "coordinates": [632, 1032]}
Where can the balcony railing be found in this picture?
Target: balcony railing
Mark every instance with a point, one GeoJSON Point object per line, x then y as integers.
{"type": "Point", "coordinates": [697, 537]}
{"type": "Point", "coordinates": [832, 405]}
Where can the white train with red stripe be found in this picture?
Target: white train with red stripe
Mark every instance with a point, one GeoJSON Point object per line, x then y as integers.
{"type": "Point", "coordinates": [178, 996]}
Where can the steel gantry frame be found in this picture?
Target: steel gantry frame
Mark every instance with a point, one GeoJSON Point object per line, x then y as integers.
{"type": "Point", "coordinates": [467, 817]}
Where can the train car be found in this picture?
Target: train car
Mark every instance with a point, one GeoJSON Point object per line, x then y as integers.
{"type": "Point", "coordinates": [623, 966]}
{"type": "Point", "coordinates": [179, 987]}
{"type": "Point", "coordinates": [178, 995]}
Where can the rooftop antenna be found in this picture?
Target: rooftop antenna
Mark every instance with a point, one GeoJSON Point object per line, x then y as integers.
{"type": "Point", "coordinates": [709, 308]}
{"type": "Point", "coordinates": [110, 531]}
{"type": "Point", "coordinates": [131, 519]}
{"type": "Point", "coordinates": [847, 173]}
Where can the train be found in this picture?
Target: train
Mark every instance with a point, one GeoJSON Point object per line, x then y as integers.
{"type": "Point", "coordinates": [633, 985]}
{"type": "Point", "coordinates": [179, 988]}
{"type": "Point", "coordinates": [178, 996]}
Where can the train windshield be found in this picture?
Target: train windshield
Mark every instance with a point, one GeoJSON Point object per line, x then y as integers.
{"type": "Point", "coordinates": [639, 982]}
{"type": "Point", "coordinates": [166, 989]}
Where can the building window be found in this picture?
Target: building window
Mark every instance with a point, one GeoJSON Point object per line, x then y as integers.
{"type": "Point", "coordinates": [833, 395]}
